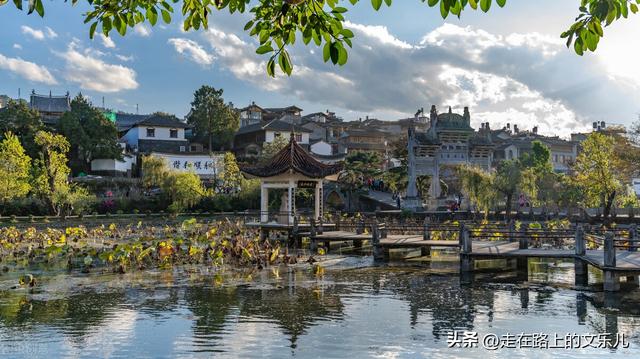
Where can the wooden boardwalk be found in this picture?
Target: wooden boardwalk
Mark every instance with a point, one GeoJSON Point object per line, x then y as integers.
{"type": "Point", "coordinates": [618, 257]}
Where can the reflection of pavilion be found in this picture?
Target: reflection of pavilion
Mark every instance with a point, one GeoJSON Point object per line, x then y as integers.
{"type": "Point", "coordinates": [289, 169]}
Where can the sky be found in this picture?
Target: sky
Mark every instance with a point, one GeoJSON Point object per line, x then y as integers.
{"type": "Point", "coordinates": [507, 66]}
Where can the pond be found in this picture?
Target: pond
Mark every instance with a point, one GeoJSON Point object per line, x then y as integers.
{"type": "Point", "coordinates": [348, 308]}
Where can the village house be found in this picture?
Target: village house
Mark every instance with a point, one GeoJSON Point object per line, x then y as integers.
{"type": "Point", "coordinates": [250, 139]}
{"type": "Point", "coordinates": [158, 132]}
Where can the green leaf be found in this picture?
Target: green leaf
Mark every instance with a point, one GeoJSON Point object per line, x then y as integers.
{"type": "Point", "coordinates": [334, 52]}
{"type": "Point", "coordinates": [18, 4]}
{"type": "Point", "coordinates": [485, 5]}
{"type": "Point", "coordinates": [432, 3]}
{"type": "Point", "coordinates": [271, 67]}
{"type": "Point", "coordinates": [166, 16]}
{"type": "Point", "coordinates": [444, 11]}
{"type": "Point", "coordinates": [39, 8]}
{"type": "Point", "coordinates": [285, 62]}
{"type": "Point", "coordinates": [92, 29]}
{"type": "Point", "coordinates": [342, 56]}
{"type": "Point", "coordinates": [152, 15]}
{"type": "Point", "coordinates": [376, 4]}
{"type": "Point", "coordinates": [248, 25]}
{"type": "Point", "coordinates": [264, 49]}
{"type": "Point", "coordinates": [501, 3]}
{"type": "Point", "coordinates": [326, 52]}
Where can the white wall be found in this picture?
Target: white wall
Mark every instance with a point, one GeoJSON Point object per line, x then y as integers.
{"type": "Point", "coordinates": [161, 133]}
{"type": "Point", "coordinates": [113, 165]}
{"type": "Point", "coordinates": [201, 164]}
{"type": "Point", "coordinates": [270, 135]}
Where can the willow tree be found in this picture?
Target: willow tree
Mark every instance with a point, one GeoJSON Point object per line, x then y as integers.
{"type": "Point", "coordinates": [15, 167]}
{"type": "Point", "coordinates": [510, 179]}
{"type": "Point", "coordinates": [477, 185]}
{"type": "Point", "coordinates": [595, 171]}
{"type": "Point", "coordinates": [278, 24]}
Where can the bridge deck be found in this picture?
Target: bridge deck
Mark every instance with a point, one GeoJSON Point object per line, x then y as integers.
{"type": "Point", "coordinates": [625, 261]}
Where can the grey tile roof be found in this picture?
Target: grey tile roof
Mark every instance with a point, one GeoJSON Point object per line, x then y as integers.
{"type": "Point", "coordinates": [44, 103]}
{"type": "Point", "coordinates": [274, 125]}
{"type": "Point", "coordinates": [163, 121]}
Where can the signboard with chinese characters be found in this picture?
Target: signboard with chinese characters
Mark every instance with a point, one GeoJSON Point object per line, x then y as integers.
{"type": "Point", "coordinates": [306, 184]}
{"type": "Point", "coordinates": [202, 164]}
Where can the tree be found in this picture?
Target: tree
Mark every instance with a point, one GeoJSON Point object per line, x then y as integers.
{"type": "Point", "coordinates": [231, 176]}
{"type": "Point", "coordinates": [181, 189]}
{"type": "Point", "coordinates": [477, 185]}
{"type": "Point", "coordinates": [51, 176]}
{"type": "Point", "coordinates": [272, 148]}
{"type": "Point", "coordinates": [90, 134]}
{"type": "Point", "coordinates": [23, 122]}
{"type": "Point", "coordinates": [212, 118]}
{"type": "Point", "coordinates": [276, 24]}
{"type": "Point", "coordinates": [510, 178]}
{"type": "Point", "coordinates": [595, 171]}
{"type": "Point", "coordinates": [538, 164]}
{"type": "Point", "coordinates": [15, 167]}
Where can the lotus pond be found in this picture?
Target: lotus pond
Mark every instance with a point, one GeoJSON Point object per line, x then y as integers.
{"type": "Point", "coordinates": [191, 296]}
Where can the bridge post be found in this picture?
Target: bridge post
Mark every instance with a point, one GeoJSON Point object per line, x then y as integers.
{"type": "Point", "coordinates": [338, 219]}
{"type": "Point", "coordinates": [580, 266]}
{"type": "Point", "coordinates": [426, 235]}
{"type": "Point", "coordinates": [611, 278]}
{"type": "Point", "coordinates": [512, 229]}
{"type": "Point", "coordinates": [313, 246]}
{"type": "Point", "coordinates": [360, 226]}
{"type": "Point", "coordinates": [524, 242]}
{"type": "Point", "coordinates": [633, 236]}
{"type": "Point", "coordinates": [320, 229]}
{"type": "Point", "coordinates": [466, 262]}
{"type": "Point", "coordinates": [294, 232]}
{"type": "Point", "coordinates": [379, 253]}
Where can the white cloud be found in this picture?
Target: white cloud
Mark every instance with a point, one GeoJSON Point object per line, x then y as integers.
{"type": "Point", "coordinates": [124, 57]}
{"type": "Point", "coordinates": [92, 73]}
{"type": "Point", "coordinates": [142, 30]}
{"type": "Point", "coordinates": [527, 79]}
{"type": "Point", "coordinates": [381, 33]}
{"type": "Point", "coordinates": [50, 33]}
{"type": "Point", "coordinates": [17, 46]}
{"type": "Point", "coordinates": [28, 70]}
{"type": "Point", "coordinates": [107, 41]}
{"type": "Point", "coordinates": [39, 34]}
{"type": "Point", "coordinates": [36, 34]}
{"type": "Point", "coordinates": [192, 50]}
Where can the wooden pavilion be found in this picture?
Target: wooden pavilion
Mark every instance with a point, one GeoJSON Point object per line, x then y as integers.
{"type": "Point", "coordinates": [291, 168]}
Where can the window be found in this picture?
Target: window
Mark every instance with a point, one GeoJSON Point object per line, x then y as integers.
{"type": "Point", "coordinates": [151, 132]}
{"type": "Point", "coordinates": [276, 135]}
{"type": "Point", "coordinates": [194, 148]}
{"type": "Point", "coordinates": [182, 148]}
{"type": "Point", "coordinates": [555, 158]}
{"type": "Point", "coordinates": [298, 137]}
{"type": "Point", "coordinates": [173, 133]}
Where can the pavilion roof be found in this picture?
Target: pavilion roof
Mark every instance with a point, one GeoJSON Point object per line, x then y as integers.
{"type": "Point", "coordinates": [293, 158]}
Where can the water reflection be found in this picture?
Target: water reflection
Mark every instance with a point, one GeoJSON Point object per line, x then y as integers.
{"type": "Point", "coordinates": [346, 312]}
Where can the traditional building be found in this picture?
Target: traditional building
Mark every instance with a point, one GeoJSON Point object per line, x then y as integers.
{"type": "Point", "coordinates": [51, 108]}
{"type": "Point", "coordinates": [450, 140]}
{"type": "Point", "coordinates": [250, 139]}
{"type": "Point", "coordinates": [160, 133]}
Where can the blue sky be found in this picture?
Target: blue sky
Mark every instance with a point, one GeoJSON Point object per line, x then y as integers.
{"type": "Point", "coordinates": [508, 65]}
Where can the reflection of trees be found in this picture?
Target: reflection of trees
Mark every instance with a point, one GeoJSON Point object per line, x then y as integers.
{"type": "Point", "coordinates": [74, 314]}
{"type": "Point", "coordinates": [294, 309]}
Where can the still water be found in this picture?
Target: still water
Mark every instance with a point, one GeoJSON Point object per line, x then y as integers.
{"type": "Point", "coordinates": [349, 309]}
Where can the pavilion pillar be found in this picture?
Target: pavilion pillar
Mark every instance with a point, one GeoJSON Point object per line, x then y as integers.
{"type": "Point", "coordinates": [318, 201]}
{"type": "Point", "coordinates": [291, 200]}
{"type": "Point", "coordinates": [264, 203]}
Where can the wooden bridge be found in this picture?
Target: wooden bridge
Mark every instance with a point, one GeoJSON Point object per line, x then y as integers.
{"type": "Point", "coordinates": [613, 251]}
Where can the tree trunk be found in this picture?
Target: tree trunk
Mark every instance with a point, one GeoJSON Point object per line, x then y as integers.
{"type": "Point", "coordinates": [608, 203]}
{"type": "Point", "coordinates": [507, 213]}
